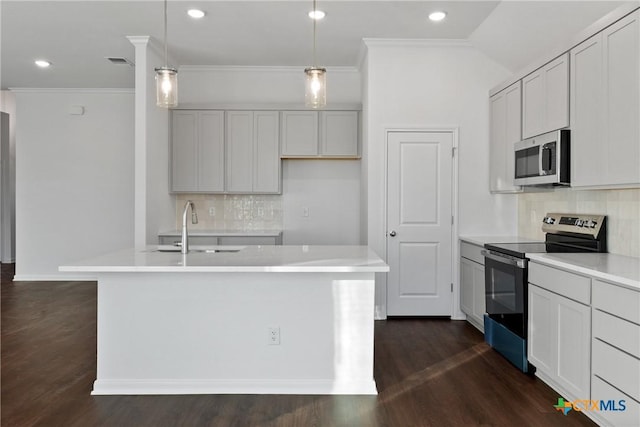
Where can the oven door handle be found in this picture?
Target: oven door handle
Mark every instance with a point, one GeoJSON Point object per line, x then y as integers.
{"type": "Point", "coordinates": [505, 259]}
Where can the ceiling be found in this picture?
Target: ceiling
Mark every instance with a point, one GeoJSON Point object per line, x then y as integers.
{"type": "Point", "coordinates": [77, 36]}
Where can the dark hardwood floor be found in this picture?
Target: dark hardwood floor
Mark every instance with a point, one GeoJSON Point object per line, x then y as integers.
{"type": "Point", "coordinates": [429, 373]}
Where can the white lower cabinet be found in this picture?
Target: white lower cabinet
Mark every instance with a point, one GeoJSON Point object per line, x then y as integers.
{"type": "Point", "coordinates": [559, 333]}
{"type": "Point", "coordinates": [584, 340]}
{"type": "Point", "coordinates": [472, 292]}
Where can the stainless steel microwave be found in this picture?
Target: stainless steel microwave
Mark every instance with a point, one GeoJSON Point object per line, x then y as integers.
{"type": "Point", "coordinates": [543, 159]}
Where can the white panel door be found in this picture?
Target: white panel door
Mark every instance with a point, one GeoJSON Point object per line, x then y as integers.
{"type": "Point", "coordinates": [419, 196]}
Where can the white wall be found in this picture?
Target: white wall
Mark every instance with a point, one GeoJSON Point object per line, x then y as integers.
{"type": "Point", "coordinates": [250, 85]}
{"type": "Point", "coordinates": [74, 183]}
{"type": "Point", "coordinates": [330, 192]}
{"type": "Point", "coordinates": [8, 180]}
{"type": "Point", "coordinates": [434, 85]}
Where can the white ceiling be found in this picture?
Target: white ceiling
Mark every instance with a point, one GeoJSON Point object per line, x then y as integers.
{"type": "Point", "coordinates": [76, 36]}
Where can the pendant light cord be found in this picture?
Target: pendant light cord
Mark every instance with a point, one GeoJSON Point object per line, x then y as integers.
{"type": "Point", "coordinates": [166, 63]}
{"type": "Point", "coordinates": [314, 34]}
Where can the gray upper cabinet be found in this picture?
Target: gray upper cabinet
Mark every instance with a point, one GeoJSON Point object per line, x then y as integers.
{"type": "Point", "coordinates": [545, 98]}
{"type": "Point", "coordinates": [605, 107]}
{"type": "Point", "coordinates": [214, 151]}
{"type": "Point", "coordinates": [506, 126]}
{"type": "Point", "coordinates": [324, 134]}
{"type": "Point", "coordinates": [253, 162]}
{"type": "Point", "coordinates": [197, 151]}
{"type": "Point", "coordinates": [299, 133]}
{"type": "Point", "coordinates": [339, 133]}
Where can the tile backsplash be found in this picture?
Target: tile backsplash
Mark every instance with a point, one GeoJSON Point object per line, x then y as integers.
{"type": "Point", "coordinates": [232, 212]}
{"type": "Point", "coordinates": [622, 208]}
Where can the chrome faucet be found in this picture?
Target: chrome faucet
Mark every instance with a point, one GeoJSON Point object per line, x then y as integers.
{"type": "Point", "coordinates": [194, 220]}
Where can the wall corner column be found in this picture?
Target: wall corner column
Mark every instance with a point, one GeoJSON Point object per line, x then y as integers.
{"type": "Point", "coordinates": [140, 140]}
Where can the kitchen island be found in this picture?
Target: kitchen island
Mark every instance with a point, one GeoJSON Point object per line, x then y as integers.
{"type": "Point", "coordinates": [243, 320]}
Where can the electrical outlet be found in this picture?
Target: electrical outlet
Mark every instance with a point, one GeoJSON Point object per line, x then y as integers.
{"type": "Point", "coordinates": [273, 336]}
{"type": "Point", "coordinates": [212, 211]}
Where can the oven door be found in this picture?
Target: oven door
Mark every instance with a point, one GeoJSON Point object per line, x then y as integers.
{"type": "Point", "coordinates": [506, 290]}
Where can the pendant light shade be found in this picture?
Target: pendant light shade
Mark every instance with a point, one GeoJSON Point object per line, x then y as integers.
{"type": "Point", "coordinates": [315, 87]}
{"type": "Point", "coordinates": [166, 77]}
{"type": "Point", "coordinates": [315, 95]}
{"type": "Point", "coordinates": [166, 87]}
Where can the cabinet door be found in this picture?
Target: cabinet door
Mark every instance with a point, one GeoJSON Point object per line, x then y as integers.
{"type": "Point", "coordinates": [533, 104]}
{"type": "Point", "coordinates": [573, 343]}
{"type": "Point", "coordinates": [556, 77]}
{"type": "Point", "coordinates": [506, 120]}
{"type": "Point", "coordinates": [184, 150]}
{"type": "Point", "coordinates": [210, 151]}
{"type": "Point", "coordinates": [587, 112]}
{"type": "Point", "coordinates": [559, 341]}
{"type": "Point", "coordinates": [545, 98]}
{"type": "Point", "coordinates": [299, 133]}
{"type": "Point", "coordinates": [541, 330]}
{"type": "Point", "coordinates": [479, 300]}
{"type": "Point", "coordinates": [266, 156]}
{"type": "Point", "coordinates": [466, 286]}
{"type": "Point", "coordinates": [239, 148]}
{"type": "Point", "coordinates": [621, 43]}
{"type": "Point", "coordinates": [339, 133]}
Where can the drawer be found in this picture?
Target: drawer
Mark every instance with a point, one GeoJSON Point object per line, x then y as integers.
{"type": "Point", "coordinates": [628, 417]}
{"type": "Point", "coordinates": [617, 368]}
{"type": "Point", "coordinates": [619, 301]}
{"type": "Point", "coordinates": [561, 282]}
{"type": "Point", "coordinates": [617, 332]}
{"type": "Point", "coordinates": [472, 252]}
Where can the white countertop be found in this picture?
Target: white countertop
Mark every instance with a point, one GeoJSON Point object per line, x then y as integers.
{"type": "Point", "coordinates": [266, 259]}
{"type": "Point", "coordinates": [222, 233]}
{"type": "Point", "coordinates": [482, 240]}
{"type": "Point", "coordinates": [614, 268]}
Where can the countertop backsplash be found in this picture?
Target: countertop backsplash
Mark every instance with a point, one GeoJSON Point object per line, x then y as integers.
{"type": "Point", "coordinates": [232, 212]}
{"type": "Point", "coordinates": [622, 208]}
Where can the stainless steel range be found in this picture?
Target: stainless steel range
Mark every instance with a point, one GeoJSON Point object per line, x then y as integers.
{"type": "Point", "coordinates": [506, 278]}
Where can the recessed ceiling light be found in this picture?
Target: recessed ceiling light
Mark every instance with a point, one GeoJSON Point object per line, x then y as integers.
{"type": "Point", "coordinates": [437, 16]}
{"type": "Point", "coordinates": [317, 14]}
{"type": "Point", "coordinates": [195, 13]}
{"type": "Point", "coordinates": [42, 63]}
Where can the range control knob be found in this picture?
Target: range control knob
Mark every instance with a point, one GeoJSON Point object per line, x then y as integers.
{"type": "Point", "coordinates": [548, 220]}
{"type": "Point", "coordinates": [592, 224]}
{"type": "Point", "coordinates": [579, 222]}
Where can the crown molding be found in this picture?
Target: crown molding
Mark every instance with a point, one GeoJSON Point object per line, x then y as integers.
{"type": "Point", "coordinates": [73, 90]}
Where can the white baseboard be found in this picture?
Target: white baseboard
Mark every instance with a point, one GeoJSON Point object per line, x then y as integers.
{"type": "Point", "coordinates": [321, 387]}
{"type": "Point", "coordinates": [52, 278]}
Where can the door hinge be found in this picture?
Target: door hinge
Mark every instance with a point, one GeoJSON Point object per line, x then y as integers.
{"type": "Point", "coordinates": [452, 287]}
{"type": "Point", "coordinates": [451, 219]}
{"type": "Point", "coordinates": [453, 151]}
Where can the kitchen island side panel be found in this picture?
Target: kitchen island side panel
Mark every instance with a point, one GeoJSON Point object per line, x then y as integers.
{"type": "Point", "coordinates": [190, 333]}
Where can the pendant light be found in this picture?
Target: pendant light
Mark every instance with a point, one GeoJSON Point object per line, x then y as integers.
{"type": "Point", "coordinates": [316, 78]}
{"type": "Point", "coordinates": [166, 77]}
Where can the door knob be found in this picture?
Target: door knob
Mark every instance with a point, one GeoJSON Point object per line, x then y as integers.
{"type": "Point", "coordinates": [392, 233]}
